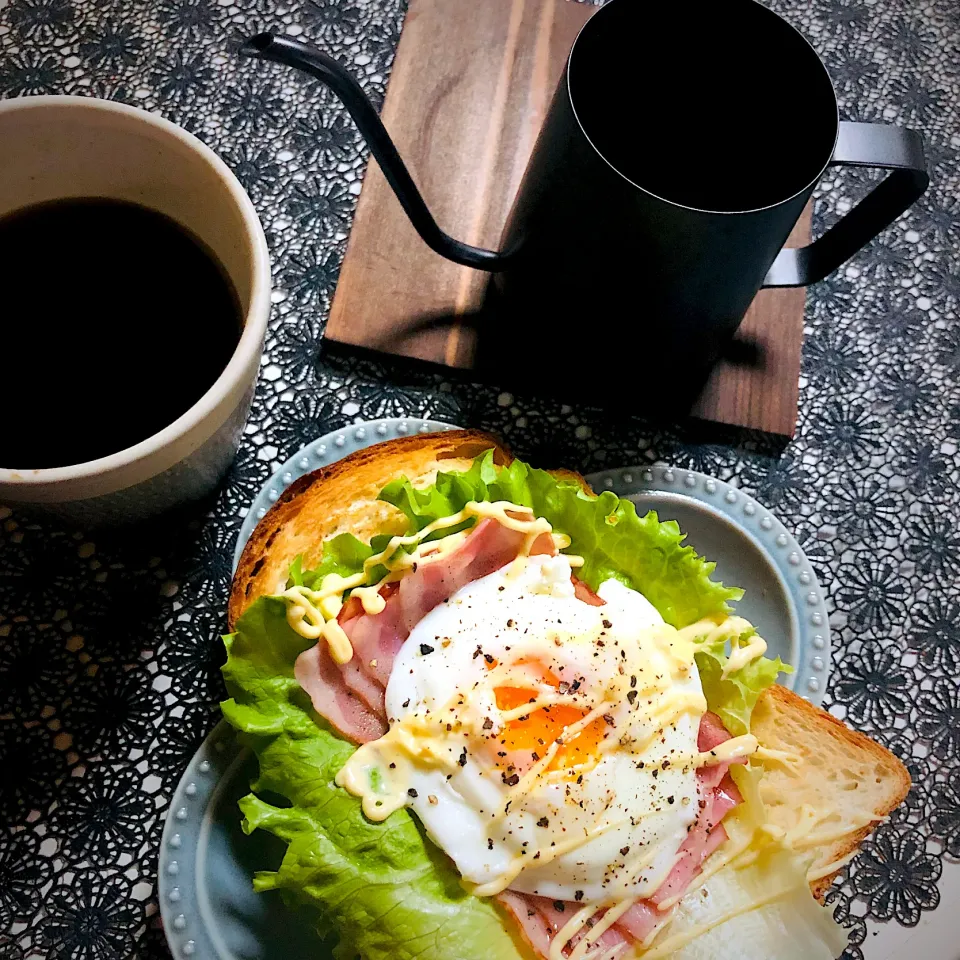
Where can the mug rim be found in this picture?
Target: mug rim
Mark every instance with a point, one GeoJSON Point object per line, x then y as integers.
{"type": "Point", "coordinates": [683, 206]}
{"type": "Point", "coordinates": [248, 346]}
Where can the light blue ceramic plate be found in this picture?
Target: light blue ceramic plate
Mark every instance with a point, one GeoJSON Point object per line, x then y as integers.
{"type": "Point", "coordinates": [207, 902]}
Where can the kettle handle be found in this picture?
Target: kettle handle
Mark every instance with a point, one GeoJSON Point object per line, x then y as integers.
{"type": "Point", "coordinates": [859, 145]}
{"type": "Point", "coordinates": [301, 56]}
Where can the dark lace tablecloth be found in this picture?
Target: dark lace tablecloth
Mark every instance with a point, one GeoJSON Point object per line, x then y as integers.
{"type": "Point", "coordinates": [108, 644]}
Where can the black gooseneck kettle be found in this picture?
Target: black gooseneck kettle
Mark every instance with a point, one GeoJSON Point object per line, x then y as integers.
{"type": "Point", "coordinates": [680, 148]}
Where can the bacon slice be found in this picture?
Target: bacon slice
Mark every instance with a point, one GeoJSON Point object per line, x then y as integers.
{"type": "Point", "coordinates": [350, 696]}
{"type": "Point", "coordinates": [489, 547]}
{"type": "Point", "coordinates": [321, 678]}
{"type": "Point", "coordinates": [582, 592]}
{"type": "Point", "coordinates": [640, 921]}
{"type": "Point", "coordinates": [712, 732]}
{"type": "Point", "coordinates": [707, 834]}
{"type": "Point", "coordinates": [540, 919]}
{"type": "Point", "coordinates": [535, 928]}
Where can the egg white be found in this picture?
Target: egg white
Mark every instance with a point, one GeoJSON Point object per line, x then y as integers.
{"type": "Point", "coordinates": [534, 615]}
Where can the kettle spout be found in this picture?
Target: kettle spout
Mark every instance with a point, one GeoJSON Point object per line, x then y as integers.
{"type": "Point", "coordinates": [257, 47]}
{"type": "Point", "coordinates": [301, 56]}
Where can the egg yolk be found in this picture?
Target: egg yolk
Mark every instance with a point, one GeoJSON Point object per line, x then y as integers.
{"type": "Point", "coordinates": [526, 739]}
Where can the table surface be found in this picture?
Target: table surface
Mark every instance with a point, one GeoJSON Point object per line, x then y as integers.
{"type": "Point", "coordinates": [108, 651]}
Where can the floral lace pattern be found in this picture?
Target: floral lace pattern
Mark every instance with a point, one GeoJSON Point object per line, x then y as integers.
{"type": "Point", "coordinates": [108, 645]}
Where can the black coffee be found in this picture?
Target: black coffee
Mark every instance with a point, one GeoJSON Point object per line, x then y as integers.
{"type": "Point", "coordinates": [114, 320]}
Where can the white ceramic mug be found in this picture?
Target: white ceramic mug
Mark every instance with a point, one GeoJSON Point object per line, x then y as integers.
{"type": "Point", "coordinates": [57, 147]}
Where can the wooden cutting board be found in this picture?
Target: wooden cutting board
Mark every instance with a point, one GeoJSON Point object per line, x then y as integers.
{"type": "Point", "coordinates": [468, 92]}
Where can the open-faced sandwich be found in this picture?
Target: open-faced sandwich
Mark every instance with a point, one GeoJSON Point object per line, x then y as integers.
{"type": "Point", "coordinates": [499, 717]}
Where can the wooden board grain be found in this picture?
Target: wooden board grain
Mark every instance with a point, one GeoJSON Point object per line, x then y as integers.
{"type": "Point", "coordinates": [468, 92]}
{"type": "Point", "coordinates": [470, 86]}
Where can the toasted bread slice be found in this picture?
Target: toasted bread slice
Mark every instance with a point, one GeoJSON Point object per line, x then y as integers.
{"type": "Point", "coordinates": [342, 498]}
{"type": "Point", "coordinates": [838, 770]}
{"type": "Point", "coordinates": [834, 769]}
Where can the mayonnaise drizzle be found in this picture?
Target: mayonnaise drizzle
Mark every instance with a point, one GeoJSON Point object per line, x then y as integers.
{"type": "Point", "coordinates": [641, 861]}
{"type": "Point", "coordinates": [569, 930]}
{"type": "Point", "coordinates": [769, 755]}
{"type": "Point", "coordinates": [543, 700]}
{"type": "Point", "coordinates": [732, 628]}
{"type": "Point", "coordinates": [541, 856]}
{"type": "Point", "coordinates": [312, 613]}
{"type": "Point", "coordinates": [736, 748]}
{"type": "Point", "coordinates": [613, 913]}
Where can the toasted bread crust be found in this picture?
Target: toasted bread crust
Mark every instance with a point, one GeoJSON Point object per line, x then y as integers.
{"type": "Point", "coordinates": [784, 720]}
{"type": "Point", "coordinates": [343, 498]}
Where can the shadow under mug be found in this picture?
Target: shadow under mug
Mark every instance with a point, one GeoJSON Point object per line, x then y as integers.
{"type": "Point", "coordinates": [56, 147]}
{"type": "Point", "coordinates": [680, 148]}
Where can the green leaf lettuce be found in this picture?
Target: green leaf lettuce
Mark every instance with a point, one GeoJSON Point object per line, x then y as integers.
{"type": "Point", "coordinates": [733, 697]}
{"type": "Point", "coordinates": [606, 531]}
{"type": "Point", "coordinates": [386, 889]}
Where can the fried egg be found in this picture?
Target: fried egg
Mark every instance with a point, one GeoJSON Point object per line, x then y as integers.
{"type": "Point", "coordinates": [545, 743]}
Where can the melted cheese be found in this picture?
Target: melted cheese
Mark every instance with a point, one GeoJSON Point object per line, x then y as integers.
{"type": "Point", "coordinates": [743, 849]}
{"type": "Point", "coordinates": [666, 947]}
{"type": "Point", "coordinates": [818, 873]}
